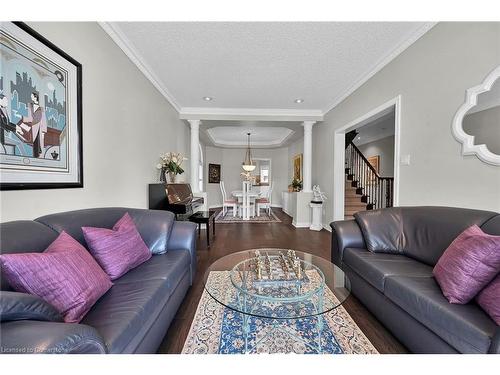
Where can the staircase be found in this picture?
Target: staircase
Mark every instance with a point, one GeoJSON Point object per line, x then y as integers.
{"type": "Point", "coordinates": [365, 189]}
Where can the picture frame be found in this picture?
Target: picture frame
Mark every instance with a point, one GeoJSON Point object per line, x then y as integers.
{"type": "Point", "coordinates": [41, 142]}
{"type": "Point", "coordinates": [297, 167]}
{"type": "Point", "coordinates": [374, 162]}
{"type": "Point", "coordinates": [213, 173]}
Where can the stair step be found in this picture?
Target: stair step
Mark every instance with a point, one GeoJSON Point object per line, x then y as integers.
{"type": "Point", "coordinates": [354, 199]}
{"type": "Point", "coordinates": [355, 208]}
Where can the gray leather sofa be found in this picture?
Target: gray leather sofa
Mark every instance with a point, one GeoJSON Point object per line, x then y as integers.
{"type": "Point", "coordinates": [396, 284]}
{"type": "Point", "coordinates": [134, 315]}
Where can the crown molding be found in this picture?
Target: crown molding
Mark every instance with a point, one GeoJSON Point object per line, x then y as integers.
{"type": "Point", "coordinates": [128, 48]}
{"type": "Point", "coordinates": [382, 63]}
{"type": "Point", "coordinates": [250, 114]}
{"type": "Point", "coordinates": [255, 144]}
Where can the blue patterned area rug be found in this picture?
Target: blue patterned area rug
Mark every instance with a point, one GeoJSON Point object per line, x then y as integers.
{"type": "Point", "coordinates": [217, 330]}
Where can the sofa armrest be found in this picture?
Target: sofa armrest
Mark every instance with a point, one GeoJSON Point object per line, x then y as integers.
{"type": "Point", "coordinates": [345, 234]}
{"type": "Point", "coordinates": [495, 342]}
{"type": "Point", "coordinates": [183, 237]}
{"type": "Point", "coordinates": [30, 336]}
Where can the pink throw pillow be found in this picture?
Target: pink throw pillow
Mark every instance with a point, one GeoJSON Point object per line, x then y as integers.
{"type": "Point", "coordinates": [470, 262]}
{"type": "Point", "coordinates": [489, 299]}
{"type": "Point", "coordinates": [64, 275]}
{"type": "Point", "coordinates": [117, 250]}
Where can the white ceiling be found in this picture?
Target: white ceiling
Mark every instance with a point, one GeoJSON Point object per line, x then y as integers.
{"type": "Point", "coordinates": [262, 65]}
{"type": "Point", "coordinates": [255, 70]}
{"type": "Point", "coordinates": [381, 127]}
{"type": "Point", "coordinates": [263, 134]}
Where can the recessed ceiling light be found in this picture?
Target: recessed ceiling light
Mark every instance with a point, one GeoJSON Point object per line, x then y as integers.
{"type": "Point", "coordinates": [299, 100]}
{"type": "Point", "coordinates": [207, 98]}
{"type": "Point", "coordinates": [359, 137]}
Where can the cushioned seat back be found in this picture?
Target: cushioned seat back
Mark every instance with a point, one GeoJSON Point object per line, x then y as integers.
{"type": "Point", "coordinates": [154, 226]}
{"type": "Point", "coordinates": [422, 233]}
{"type": "Point", "coordinates": [492, 226]}
{"type": "Point", "coordinates": [24, 236]}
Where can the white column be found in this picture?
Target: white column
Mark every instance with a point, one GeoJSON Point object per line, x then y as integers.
{"type": "Point", "coordinates": [195, 154]}
{"type": "Point", "coordinates": [307, 161]}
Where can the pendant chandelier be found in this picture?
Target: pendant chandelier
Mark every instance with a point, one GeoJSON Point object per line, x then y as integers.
{"type": "Point", "coordinates": [248, 165]}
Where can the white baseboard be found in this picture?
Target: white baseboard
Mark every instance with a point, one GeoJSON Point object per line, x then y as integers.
{"type": "Point", "coordinates": [301, 225]}
{"type": "Point", "coordinates": [327, 227]}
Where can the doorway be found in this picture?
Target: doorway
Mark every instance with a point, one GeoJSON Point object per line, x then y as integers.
{"type": "Point", "coordinates": [366, 162]}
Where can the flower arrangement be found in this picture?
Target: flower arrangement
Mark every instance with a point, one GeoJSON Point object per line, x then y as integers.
{"type": "Point", "coordinates": [296, 185]}
{"type": "Point", "coordinates": [170, 163]}
{"type": "Point", "coordinates": [247, 176]}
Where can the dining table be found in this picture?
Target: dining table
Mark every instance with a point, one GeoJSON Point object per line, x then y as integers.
{"type": "Point", "coordinates": [252, 195]}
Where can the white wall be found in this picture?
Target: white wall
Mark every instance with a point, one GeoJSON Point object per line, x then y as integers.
{"type": "Point", "coordinates": [431, 76]}
{"type": "Point", "coordinates": [126, 125]}
{"type": "Point", "coordinates": [383, 147]}
{"type": "Point", "coordinates": [231, 159]}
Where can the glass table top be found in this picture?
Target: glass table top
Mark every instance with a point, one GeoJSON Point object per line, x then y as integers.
{"type": "Point", "coordinates": [276, 283]}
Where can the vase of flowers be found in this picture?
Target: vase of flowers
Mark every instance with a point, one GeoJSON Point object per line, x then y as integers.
{"type": "Point", "coordinates": [296, 184]}
{"type": "Point", "coordinates": [170, 164]}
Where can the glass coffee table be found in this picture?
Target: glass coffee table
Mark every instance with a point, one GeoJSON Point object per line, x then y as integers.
{"type": "Point", "coordinates": [277, 285]}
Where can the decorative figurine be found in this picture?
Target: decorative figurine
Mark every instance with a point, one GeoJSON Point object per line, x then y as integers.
{"type": "Point", "coordinates": [268, 263]}
{"type": "Point", "coordinates": [316, 205]}
{"type": "Point", "coordinates": [318, 195]}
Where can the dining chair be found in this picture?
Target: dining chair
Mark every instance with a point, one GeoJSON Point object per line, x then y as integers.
{"type": "Point", "coordinates": [227, 202]}
{"type": "Point", "coordinates": [265, 202]}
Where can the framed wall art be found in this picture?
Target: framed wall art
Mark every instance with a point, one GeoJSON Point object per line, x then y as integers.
{"type": "Point", "coordinates": [213, 173]}
{"type": "Point", "coordinates": [375, 162]}
{"type": "Point", "coordinates": [40, 112]}
{"type": "Point", "coordinates": [297, 167]}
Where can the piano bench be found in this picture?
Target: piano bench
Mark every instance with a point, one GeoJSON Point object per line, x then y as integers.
{"type": "Point", "coordinates": [204, 217]}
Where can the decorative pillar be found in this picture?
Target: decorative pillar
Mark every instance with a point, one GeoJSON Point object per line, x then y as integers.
{"type": "Point", "coordinates": [195, 154]}
{"type": "Point", "coordinates": [307, 160]}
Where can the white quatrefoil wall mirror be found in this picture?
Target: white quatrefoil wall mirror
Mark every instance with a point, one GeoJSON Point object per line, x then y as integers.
{"type": "Point", "coordinates": [477, 122]}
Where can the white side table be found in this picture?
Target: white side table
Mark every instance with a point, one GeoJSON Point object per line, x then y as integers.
{"type": "Point", "coordinates": [316, 222]}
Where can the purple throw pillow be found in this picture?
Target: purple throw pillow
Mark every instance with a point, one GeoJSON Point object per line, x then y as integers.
{"type": "Point", "coordinates": [64, 275]}
{"type": "Point", "coordinates": [489, 299]}
{"type": "Point", "coordinates": [117, 250]}
{"type": "Point", "coordinates": [470, 262]}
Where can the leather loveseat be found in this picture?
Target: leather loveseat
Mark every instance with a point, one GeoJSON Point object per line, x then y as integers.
{"type": "Point", "coordinates": [134, 315]}
{"type": "Point", "coordinates": [394, 280]}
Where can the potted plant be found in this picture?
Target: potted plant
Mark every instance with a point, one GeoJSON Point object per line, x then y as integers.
{"type": "Point", "coordinates": [170, 163]}
{"type": "Point", "coordinates": [296, 184]}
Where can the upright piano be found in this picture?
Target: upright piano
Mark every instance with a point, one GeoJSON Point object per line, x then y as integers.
{"type": "Point", "coordinates": [177, 198]}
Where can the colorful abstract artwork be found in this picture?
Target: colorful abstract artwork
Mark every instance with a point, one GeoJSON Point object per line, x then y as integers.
{"type": "Point", "coordinates": [40, 112]}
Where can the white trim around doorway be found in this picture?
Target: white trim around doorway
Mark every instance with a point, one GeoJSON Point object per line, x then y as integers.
{"type": "Point", "coordinates": [339, 153]}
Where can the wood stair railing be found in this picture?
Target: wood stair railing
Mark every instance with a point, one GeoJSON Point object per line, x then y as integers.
{"type": "Point", "coordinates": [374, 190]}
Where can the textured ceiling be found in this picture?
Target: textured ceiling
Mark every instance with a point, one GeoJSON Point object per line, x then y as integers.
{"type": "Point", "coordinates": [381, 127]}
{"type": "Point", "coordinates": [263, 65]}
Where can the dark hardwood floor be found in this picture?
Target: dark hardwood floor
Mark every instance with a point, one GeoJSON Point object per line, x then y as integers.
{"type": "Point", "coordinates": [236, 237]}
